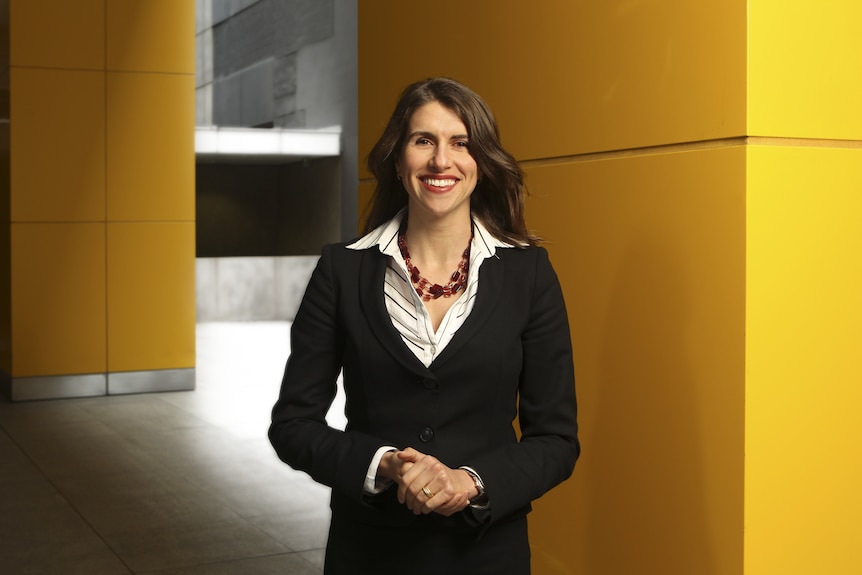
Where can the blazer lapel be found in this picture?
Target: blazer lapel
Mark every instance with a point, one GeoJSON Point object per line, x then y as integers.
{"type": "Point", "coordinates": [491, 282]}
{"type": "Point", "coordinates": [371, 273]}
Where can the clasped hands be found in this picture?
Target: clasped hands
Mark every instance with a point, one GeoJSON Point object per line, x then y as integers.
{"type": "Point", "coordinates": [425, 484]}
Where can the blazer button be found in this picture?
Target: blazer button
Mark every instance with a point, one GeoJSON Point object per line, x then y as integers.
{"type": "Point", "coordinates": [430, 383]}
{"type": "Point", "coordinates": [426, 435]}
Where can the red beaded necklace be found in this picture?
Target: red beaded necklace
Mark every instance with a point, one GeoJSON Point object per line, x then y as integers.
{"type": "Point", "coordinates": [426, 290]}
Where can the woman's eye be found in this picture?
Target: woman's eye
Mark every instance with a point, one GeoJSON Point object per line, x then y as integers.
{"type": "Point", "coordinates": [461, 144]}
{"type": "Point", "coordinates": [422, 141]}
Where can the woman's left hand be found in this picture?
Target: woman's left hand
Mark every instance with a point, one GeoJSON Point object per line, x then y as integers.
{"type": "Point", "coordinates": [428, 485]}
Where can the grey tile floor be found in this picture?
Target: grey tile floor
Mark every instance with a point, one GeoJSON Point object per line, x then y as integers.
{"type": "Point", "coordinates": [181, 483]}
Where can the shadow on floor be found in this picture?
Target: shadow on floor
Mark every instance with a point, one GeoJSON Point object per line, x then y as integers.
{"type": "Point", "coordinates": [165, 483]}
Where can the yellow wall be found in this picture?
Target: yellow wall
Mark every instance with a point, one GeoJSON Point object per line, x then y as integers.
{"type": "Point", "coordinates": [804, 279]}
{"type": "Point", "coordinates": [102, 186]}
{"type": "Point", "coordinates": [803, 75]}
{"type": "Point", "coordinates": [566, 77]}
{"type": "Point", "coordinates": [628, 119]}
{"type": "Point", "coordinates": [650, 251]}
{"type": "Point", "coordinates": [695, 170]}
{"type": "Point", "coordinates": [804, 360]}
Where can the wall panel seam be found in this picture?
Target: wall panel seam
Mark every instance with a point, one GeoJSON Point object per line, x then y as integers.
{"type": "Point", "coordinates": [106, 199]}
{"type": "Point", "coordinates": [634, 152]}
{"type": "Point", "coordinates": [120, 71]}
{"type": "Point", "coordinates": [803, 142]}
{"type": "Point", "coordinates": [54, 68]}
{"type": "Point", "coordinates": [684, 147]}
{"type": "Point", "coordinates": [694, 146]}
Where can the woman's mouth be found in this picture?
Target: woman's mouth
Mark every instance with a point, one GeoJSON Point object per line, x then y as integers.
{"type": "Point", "coordinates": [439, 183]}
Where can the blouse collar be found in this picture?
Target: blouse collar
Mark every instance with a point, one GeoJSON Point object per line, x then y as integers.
{"type": "Point", "coordinates": [385, 237]}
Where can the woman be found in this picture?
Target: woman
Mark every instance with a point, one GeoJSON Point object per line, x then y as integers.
{"type": "Point", "coordinates": [447, 321]}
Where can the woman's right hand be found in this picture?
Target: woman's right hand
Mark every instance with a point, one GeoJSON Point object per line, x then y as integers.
{"type": "Point", "coordinates": [426, 485]}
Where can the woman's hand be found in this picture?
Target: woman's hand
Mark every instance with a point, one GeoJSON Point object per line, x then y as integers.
{"type": "Point", "coordinates": [425, 484]}
{"type": "Point", "coordinates": [391, 467]}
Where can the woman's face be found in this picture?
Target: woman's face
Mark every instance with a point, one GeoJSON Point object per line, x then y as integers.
{"type": "Point", "coordinates": [435, 166]}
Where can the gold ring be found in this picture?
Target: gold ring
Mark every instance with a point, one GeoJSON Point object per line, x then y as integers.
{"type": "Point", "coordinates": [427, 492]}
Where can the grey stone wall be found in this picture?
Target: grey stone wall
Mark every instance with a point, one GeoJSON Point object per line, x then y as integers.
{"type": "Point", "coordinates": [254, 56]}
{"type": "Point", "coordinates": [268, 28]}
{"type": "Point", "coordinates": [224, 9]}
{"type": "Point", "coordinates": [272, 63]}
{"type": "Point", "coordinates": [251, 289]}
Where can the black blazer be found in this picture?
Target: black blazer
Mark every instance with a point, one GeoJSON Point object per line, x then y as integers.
{"type": "Point", "coordinates": [512, 356]}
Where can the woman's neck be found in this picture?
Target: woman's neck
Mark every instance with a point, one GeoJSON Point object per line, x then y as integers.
{"type": "Point", "coordinates": [439, 241]}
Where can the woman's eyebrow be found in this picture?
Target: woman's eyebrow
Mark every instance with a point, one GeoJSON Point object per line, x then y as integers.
{"type": "Point", "coordinates": [431, 136]}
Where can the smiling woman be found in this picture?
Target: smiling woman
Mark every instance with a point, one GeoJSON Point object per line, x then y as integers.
{"type": "Point", "coordinates": [436, 167]}
{"type": "Point", "coordinates": [428, 475]}
{"type": "Point", "coordinates": [498, 197]}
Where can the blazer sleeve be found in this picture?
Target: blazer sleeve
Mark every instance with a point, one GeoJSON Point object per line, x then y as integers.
{"type": "Point", "coordinates": [545, 455]}
{"type": "Point", "coordinates": [299, 431]}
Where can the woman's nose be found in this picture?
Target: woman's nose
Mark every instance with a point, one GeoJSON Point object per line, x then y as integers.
{"type": "Point", "coordinates": [440, 159]}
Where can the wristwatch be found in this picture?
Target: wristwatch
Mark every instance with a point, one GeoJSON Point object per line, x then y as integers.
{"type": "Point", "coordinates": [481, 499]}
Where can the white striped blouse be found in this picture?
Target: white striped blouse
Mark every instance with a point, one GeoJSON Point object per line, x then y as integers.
{"type": "Point", "coordinates": [404, 305]}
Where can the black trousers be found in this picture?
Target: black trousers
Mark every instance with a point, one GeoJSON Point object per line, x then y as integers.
{"type": "Point", "coordinates": [431, 545]}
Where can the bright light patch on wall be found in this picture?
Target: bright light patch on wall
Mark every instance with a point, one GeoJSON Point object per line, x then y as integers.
{"type": "Point", "coordinates": [268, 142]}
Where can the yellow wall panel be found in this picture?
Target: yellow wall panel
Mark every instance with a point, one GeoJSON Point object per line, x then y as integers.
{"type": "Point", "coordinates": [58, 137]}
{"type": "Point", "coordinates": [151, 153]}
{"type": "Point", "coordinates": [5, 267]}
{"type": "Point", "coordinates": [649, 247]}
{"type": "Point", "coordinates": [713, 292]}
{"type": "Point", "coordinates": [151, 36]}
{"type": "Point", "coordinates": [804, 69]}
{"type": "Point", "coordinates": [365, 192]}
{"type": "Point", "coordinates": [58, 299]}
{"type": "Point", "coordinates": [650, 252]}
{"type": "Point", "coordinates": [151, 296]}
{"type": "Point", "coordinates": [87, 147]}
{"type": "Point", "coordinates": [804, 361]}
{"type": "Point", "coordinates": [57, 33]}
{"type": "Point", "coordinates": [566, 77]}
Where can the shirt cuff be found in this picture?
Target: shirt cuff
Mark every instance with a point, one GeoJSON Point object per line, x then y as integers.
{"type": "Point", "coordinates": [373, 486]}
{"type": "Point", "coordinates": [479, 484]}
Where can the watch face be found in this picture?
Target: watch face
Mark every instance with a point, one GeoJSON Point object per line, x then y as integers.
{"type": "Point", "coordinates": [481, 500]}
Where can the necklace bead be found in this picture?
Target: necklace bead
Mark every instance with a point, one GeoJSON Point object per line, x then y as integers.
{"type": "Point", "coordinates": [424, 288]}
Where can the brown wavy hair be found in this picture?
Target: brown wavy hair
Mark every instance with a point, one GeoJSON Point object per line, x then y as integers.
{"type": "Point", "coordinates": [497, 200]}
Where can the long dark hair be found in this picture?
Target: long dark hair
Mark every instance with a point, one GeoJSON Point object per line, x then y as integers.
{"type": "Point", "coordinates": [498, 200]}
